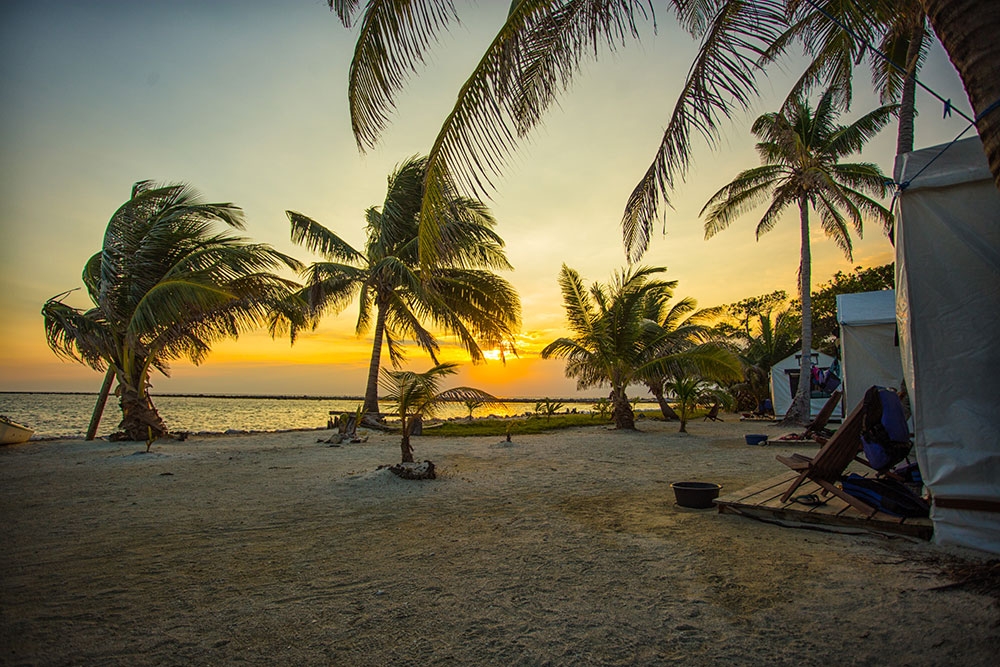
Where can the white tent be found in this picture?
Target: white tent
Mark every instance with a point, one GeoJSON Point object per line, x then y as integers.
{"type": "Point", "coordinates": [785, 381]}
{"type": "Point", "coordinates": [948, 309]}
{"type": "Point", "coordinates": [869, 351]}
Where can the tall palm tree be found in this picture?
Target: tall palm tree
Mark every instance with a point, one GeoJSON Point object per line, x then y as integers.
{"type": "Point", "coordinates": [166, 285]}
{"type": "Point", "coordinates": [615, 344]}
{"type": "Point", "coordinates": [417, 395]}
{"type": "Point", "coordinates": [541, 45]}
{"type": "Point", "coordinates": [396, 294]}
{"type": "Point", "coordinates": [801, 151]}
{"type": "Point", "coordinates": [896, 28]}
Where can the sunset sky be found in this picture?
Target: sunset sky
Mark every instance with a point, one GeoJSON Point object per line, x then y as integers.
{"type": "Point", "coordinates": [246, 100]}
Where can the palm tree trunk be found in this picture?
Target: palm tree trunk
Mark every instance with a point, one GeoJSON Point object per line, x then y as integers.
{"type": "Point", "coordinates": [404, 445]}
{"type": "Point", "coordinates": [621, 410]}
{"type": "Point", "coordinates": [371, 390]}
{"type": "Point", "coordinates": [140, 420]}
{"type": "Point", "coordinates": [968, 30]}
{"type": "Point", "coordinates": [801, 408]}
{"type": "Point", "coordinates": [102, 400]}
{"type": "Point", "coordinates": [908, 99]}
{"type": "Point", "coordinates": [907, 102]}
{"type": "Point", "coordinates": [665, 409]}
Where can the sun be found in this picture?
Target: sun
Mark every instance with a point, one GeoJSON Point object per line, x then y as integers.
{"type": "Point", "coordinates": [492, 355]}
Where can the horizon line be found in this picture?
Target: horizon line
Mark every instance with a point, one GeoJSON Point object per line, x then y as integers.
{"type": "Point", "coordinates": [307, 397]}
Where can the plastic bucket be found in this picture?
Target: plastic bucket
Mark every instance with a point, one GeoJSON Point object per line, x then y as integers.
{"type": "Point", "coordinates": [698, 495]}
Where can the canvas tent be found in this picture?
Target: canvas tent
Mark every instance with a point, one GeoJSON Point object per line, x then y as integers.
{"type": "Point", "coordinates": [948, 310]}
{"type": "Point", "coordinates": [869, 351]}
{"type": "Point", "coordinates": [785, 382]}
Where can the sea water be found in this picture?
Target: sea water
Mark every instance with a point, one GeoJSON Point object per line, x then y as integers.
{"type": "Point", "coordinates": [57, 415]}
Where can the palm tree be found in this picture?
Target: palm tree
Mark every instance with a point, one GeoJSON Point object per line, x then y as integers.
{"type": "Point", "coordinates": [472, 405]}
{"type": "Point", "coordinates": [541, 45]}
{"type": "Point", "coordinates": [774, 337]}
{"type": "Point", "coordinates": [417, 395]}
{"type": "Point", "coordinates": [397, 294]}
{"type": "Point", "coordinates": [690, 392]}
{"type": "Point", "coordinates": [896, 28]}
{"type": "Point", "coordinates": [166, 285]}
{"type": "Point", "coordinates": [614, 343]}
{"type": "Point", "coordinates": [686, 328]}
{"type": "Point", "coordinates": [800, 151]}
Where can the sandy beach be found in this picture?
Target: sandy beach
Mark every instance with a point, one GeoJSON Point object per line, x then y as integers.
{"type": "Point", "coordinates": [557, 549]}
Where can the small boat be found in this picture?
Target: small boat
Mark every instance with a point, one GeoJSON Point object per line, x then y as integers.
{"type": "Point", "coordinates": [12, 433]}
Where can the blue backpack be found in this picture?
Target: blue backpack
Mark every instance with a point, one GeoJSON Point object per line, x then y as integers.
{"type": "Point", "coordinates": [885, 437]}
{"type": "Point", "coordinates": [886, 495]}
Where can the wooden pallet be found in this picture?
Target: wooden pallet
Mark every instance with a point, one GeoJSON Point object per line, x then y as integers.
{"type": "Point", "coordinates": [763, 501]}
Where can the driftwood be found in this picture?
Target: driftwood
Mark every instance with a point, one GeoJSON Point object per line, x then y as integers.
{"type": "Point", "coordinates": [422, 470]}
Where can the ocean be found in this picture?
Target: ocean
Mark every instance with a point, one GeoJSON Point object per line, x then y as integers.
{"type": "Point", "coordinates": [58, 415]}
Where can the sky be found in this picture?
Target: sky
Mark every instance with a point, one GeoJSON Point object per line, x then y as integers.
{"type": "Point", "coordinates": [246, 100]}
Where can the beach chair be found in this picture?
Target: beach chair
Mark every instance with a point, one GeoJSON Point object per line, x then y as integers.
{"type": "Point", "coordinates": [713, 414]}
{"type": "Point", "coordinates": [816, 429]}
{"type": "Point", "coordinates": [827, 467]}
{"type": "Point", "coordinates": [817, 426]}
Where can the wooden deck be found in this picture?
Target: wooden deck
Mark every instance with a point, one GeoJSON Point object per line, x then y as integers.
{"type": "Point", "coordinates": [763, 501]}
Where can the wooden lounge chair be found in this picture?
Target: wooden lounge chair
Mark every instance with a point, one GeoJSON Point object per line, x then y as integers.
{"type": "Point", "coordinates": [713, 414]}
{"type": "Point", "coordinates": [816, 427]}
{"type": "Point", "coordinates": [826, 468]}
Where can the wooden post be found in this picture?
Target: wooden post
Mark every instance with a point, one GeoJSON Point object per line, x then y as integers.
{"type": "Point", "coordinates": [102, 399]}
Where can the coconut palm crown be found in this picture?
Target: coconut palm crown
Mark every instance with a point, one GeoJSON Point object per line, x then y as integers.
{"type": "Point", "coordinates": [801, 150]}
{"type": "Point", "coordinates": [166, 285]}
{"type": "Point", "coordinates": [625, 333]}
{"type": "Point", "coordinates": [397, 295]}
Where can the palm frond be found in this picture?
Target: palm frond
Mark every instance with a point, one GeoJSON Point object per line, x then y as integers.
{"type": "Point", "coordinates": [720, 81]}
{"type": "Point", "coordinates": [345, 10]}
{"type": "Point", "coordinates": [77, 335]}
{"type": "Point", "coordinates": [783, 198]}
{"type": "Point", "coordinates": [830, 206]}
{"type": "Point", "coordinates": [393, 39]}
{"type": "Point", "coordinates": [317, 238]}
{"type": "Point", "coordinates": [852, 138]}
{"type": "Point", "coordinates": [834, 51]}
{"type": "Point", "coordinates": [746, 192]}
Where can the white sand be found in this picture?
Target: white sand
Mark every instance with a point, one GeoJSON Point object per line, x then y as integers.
{"type": "Point", "coordinates": [564, 549]}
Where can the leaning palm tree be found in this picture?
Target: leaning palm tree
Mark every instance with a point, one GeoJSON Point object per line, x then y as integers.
{"type": "Point", "coordinates": [418, 395]}
{"type": "Point", "coordinates": [166, 285]}
{"type": "Point", "coordinates": [615, 344]}
{"type": "Point", "coordinates": [801, 151]}
{"type": "Point", "coordinates": [396, 294]}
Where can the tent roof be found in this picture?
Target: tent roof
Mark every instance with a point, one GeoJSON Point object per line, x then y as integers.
{"type": "Point", "coordinates": [962, 162]}
{"type": "Point", "coordinates": [866, 308]}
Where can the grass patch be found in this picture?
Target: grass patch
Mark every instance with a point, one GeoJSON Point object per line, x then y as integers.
{"type": "Point", "coordinates": [521, 426]}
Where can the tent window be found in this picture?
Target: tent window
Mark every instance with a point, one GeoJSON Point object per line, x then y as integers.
{"type": "Point", "coordinates": [816, 390]}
